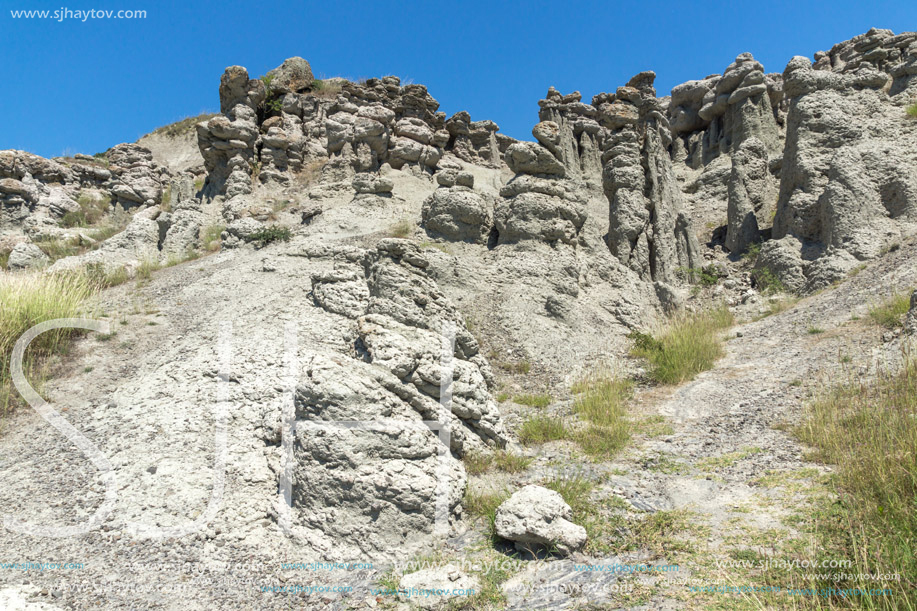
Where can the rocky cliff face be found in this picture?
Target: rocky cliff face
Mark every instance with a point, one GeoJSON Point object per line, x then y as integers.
{"type": "Point", "coordinates": [848, 187]}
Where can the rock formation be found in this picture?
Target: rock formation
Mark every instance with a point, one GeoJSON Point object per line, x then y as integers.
{"type": "Point", "coordinates": [648, 229]}
{"type": "Point", "coordinates": [271, 130]}
{"type": "Point", "coordinates": [750, 195]}
{"type": "Point", "coordinates": [391, 374]}
{"type": "Point", "coordinates": [847, 186]}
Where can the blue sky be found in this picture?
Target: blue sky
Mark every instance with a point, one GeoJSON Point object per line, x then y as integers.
{"type": "Point", "coordinates": [75, 86]}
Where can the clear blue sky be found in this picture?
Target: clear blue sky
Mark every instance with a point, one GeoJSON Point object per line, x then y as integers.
{"type": "Point", "coordinates": [70, 86]}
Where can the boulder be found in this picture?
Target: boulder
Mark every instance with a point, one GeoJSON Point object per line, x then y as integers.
{"type": "Point", "coordinates": [292, 76]}
{"type": "Point", "coordinates": [457, 213]}
{"type": "Point", "coordinates": [536, 516]}
{"type": "Point", "coordinates": [26, 255]}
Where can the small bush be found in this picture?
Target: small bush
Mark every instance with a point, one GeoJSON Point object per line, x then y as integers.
{"type": "Point", "coordinates": [326, 89]}
{"type": "Point", "coordinates": [751, 253]}
{"type": "Point", "coordinates": [273, 101]}
{"type": "Point", "coordinates": [26, 300]}
{"type": "Point", "coordinates": [90, 213]}
{"type": "Point", "coordinates": [542, 429]}
{"type": "Point", "coordinates": [268, 235]}
{"type": "Point", "coordinates": [688, 345]}
{"type": "Point", "coordinates": [533, 400]}
{"type": "Point", "coordinates": [815, 330]}
{"type": "Point", "coordinates": [706, 276]}
{"type": "Point", "coordinates": [889, 313]}
{"type": "Point", "coordinates": [766, 281]}
{"type": "Point", "coordinates": [210, 236]}
{"type": "Point", "coordinates": [401, 229]}
{"type": "Point", "coordinates": [912, 111]}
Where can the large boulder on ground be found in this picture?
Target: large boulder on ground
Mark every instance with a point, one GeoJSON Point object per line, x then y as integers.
{"type": "Point", "coordinates": [27, 255]}
{"type": "Point", "coordinates": [536, 516]}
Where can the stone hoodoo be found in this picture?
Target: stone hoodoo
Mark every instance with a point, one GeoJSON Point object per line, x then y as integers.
{"type": "Point", "coordinates": [715, 115]}
{"type": "Point", "coordinates": [848, 187]}
{"type": "Point", "coordinates": [648, 229]}
{"type": "Point", "coordinates": [271, 130]}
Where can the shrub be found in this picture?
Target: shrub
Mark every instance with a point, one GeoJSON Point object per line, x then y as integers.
{"type": "Point", "coordinates": [91, 212]}
{"type": "Point", "coordinates": [268, 235]}
{"type": "Point", "coordinates": [326, 89]}
{"type": "Point", "coordinates": [706, 276]}
{"type": "Point", "coordinates": [401, 229]}
{"type": "Point", "coordinates": [542, 429]}
{"type": "Point", "coordinates": [210, 236]}
{"type": "Point", "coordinates": [28, 299]}
{"type": "Point", "coordinates": [889, 313]}
{"type": "Point", "coordinates": [688, 345]}
{"type": "Point", "coordinates": [912, 111]}
{"type": "Point", "coordinates": [766, 281]}
{"type": "Point", "coordinates": [868, 429]}
{"type": "Point", "coordinates": [273, 101]}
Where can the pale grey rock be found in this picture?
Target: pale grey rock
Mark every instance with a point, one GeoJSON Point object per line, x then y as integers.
{"type": "Point", "coordinates": [535, 516]}
{"type": "Point", "coordinates": [532, 158]}
{"type": "Point", "coordinates": [474, 141]}
{"type": "Point", "coordinates": [372, 183]}
{"type": "Point", "coordinates": [432, 588]}
{"type": "Point", "coordinates": [136, 180]}
{"type": "Point", "coordinates": [536, 216]}
{"type": "Point", "coordinates": [845, 184]}
{"type": "Point", "coordinates": [26, 255]}
{"type": "Point", "coordinates": [292, 76]}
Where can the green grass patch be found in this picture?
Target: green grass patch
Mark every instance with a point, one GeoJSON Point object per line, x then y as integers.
{"type": "Point", "coordinates": [91, 211]}
{"type": "Point", "coordinates": [890, 312]}
{"type": "Point", "coordinates": [26, 300]}
{"type": "Point", "coordinates": [688, 345]}
{"type": "Point", "coordinates": [912, 111]}
{"type": "Point", "coordinates": [483, 504]}
{"type": "Point", "coordinates": [210, 237]}
{"type": "Point", "coordinates": [402, 229]}
{"type": "Point", "coordinates": [501, 460]}
{"type": "Point", "coordinates": [867, 428]}
{"type": "Point", "coordinates": [542, 400]}
{"type": "Point", "coordinates": [542, 429]}
{"type": "Point", "coordinates": [602, 401]}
